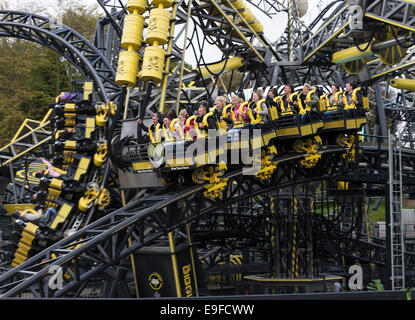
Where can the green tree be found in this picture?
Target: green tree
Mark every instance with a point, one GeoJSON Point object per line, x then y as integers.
{"type": "Point", "coordinates": [375, 285]}
{"type": "Point", "coordinates": [230, 80]}
{"type": "Point", "coordinates": [81, 18]}
{"type": "Point", "coordinates": [31, 76]}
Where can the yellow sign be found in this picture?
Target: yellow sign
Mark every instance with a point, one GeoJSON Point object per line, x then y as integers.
{"type": "Point", "coordinates": [155, 281]}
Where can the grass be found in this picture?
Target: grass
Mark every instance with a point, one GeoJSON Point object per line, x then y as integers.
{"type": "Point", "coordinates": [379, 214]}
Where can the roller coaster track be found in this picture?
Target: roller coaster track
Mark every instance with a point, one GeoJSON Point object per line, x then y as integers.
{"type": "Point", "coordinates": [319, 45]}
{"type": "Point", "coordinates": [99, 250]}
{"type": "Point", "coordinates": [391, 71]}
{"type": "Point", "coordinates": [329, 30]}
{"type": "Point", "coordinates": [65, 41]}
{"type": "Point", "coordinates": [114, 11]}
{"type": "Point", "coordinates": [395, 12]}
{"type": "Point", "coordinates": [399, 112]}
{"type": "Point", "coordinates": [111, 228]}
{"type": "Point", "coordinates": [83, 55]}
{"type": "Point", "coordinates": [143, 221]}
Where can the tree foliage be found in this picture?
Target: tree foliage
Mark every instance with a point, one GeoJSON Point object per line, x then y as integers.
{"type": "Point", "coordinates": [31, 76]}
{"type": "Point", "coordinates": [375, 285]}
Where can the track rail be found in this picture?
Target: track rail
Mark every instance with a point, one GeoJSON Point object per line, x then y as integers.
{"type": "Point", "coordinates": [92, 253]}
{"type": "Point", "coordinates": [395, 12]}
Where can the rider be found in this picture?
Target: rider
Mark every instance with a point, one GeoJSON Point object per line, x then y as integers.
{"type": "Point", "coordinates": [307, 101]}
{"type": "Point", "coordinates": [154, 127]}
{"type": "Point", "coordinates": [218, 110]}
{"type": "Point", "coordinates": [168, 133]}
{"type": "Point", "coordinates": [205, 123]}
{"type": "Point", "coordinates": [180, 125]}
{"type": "Point", "coordinates": [352, 99]}
{"type": "Point", "coordinates": [238, 113]}
{"type": "Point", "coordinates": [287, 102]}
{"type": "Point", "coordinates": [273, 103]}
{"type": "Point", "coordinates": [333, 100]}
{"type": "Point", "coordinates": [258, 106]}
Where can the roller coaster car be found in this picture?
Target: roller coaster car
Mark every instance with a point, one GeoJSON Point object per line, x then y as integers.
{"type": "Point", "coordinates": [83, 127]}
{"type": "Point", "coordinates": [294, 133]}
{"type": "Point", "coordinates": [299, 134]}
{"type": "Point", "coordinates": [182, 155]}
{"type": "Point", "coordinates": [174, 156]}
{"type": "Point", "coordinates": [74, 107]}
{"type": "Point", "coordinates": [138, 157]}
{"type": "Point", "coordinates": [78, 167]}
{"type": "Point", "coordinates": [82, 95]}
{"type": "Point", "coordinates": [340, 128]}
{"type": "Point", "coordinates": [83, 145]}
{"type": "Point", "coordinates": [246, 140]}
{"type": "Point", "coordinates": [45, 230]}
{"type": "Point", "coordinates": [71, 120]}
{"type": "Point", "coordinates": [86, 129]}
{"type": "Point", "coordinates": [68, 186]}
{"type": "Point", "coordinates": [31, 238]}
{"type": "Point", "coordinates": [64, 209]}
{"type": "Point", "coordinates": [293, 126]}
{"type": "Point", "coordinates": [170, 157]}
{"type": "Point", "coordinates": [343, 120]}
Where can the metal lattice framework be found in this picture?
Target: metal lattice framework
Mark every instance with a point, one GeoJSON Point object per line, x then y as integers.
{"type": "Point", "coordinates": [396, 12]}
{"type": "Point", "coordinates": [281, 213]}
{"type": "Point", "coordinates": [95, 256]}
{"type": "Point", "coordinates": [147, 220]}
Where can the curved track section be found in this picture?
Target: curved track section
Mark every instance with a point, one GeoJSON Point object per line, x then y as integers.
{"type": "Point", "coordinates": [97, 256]}
{"type": "Point", "coordinates": [275, 220]}
{"type": "Point", "coordinates": [100, 250]}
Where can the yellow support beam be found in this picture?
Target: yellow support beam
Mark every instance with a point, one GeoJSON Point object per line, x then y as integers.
{"type": "Point", "coordinates": [353, 53]}
{"type": "Point", "coordinates": [236, 29]}
{"type": "Point", "coordinates": [225, 65]}
{"type": "Point", "coordinates": [384, 73]}
{"type": "Point", "coordinates": [403, 84]}
{"type": "Point", "coordinates": [26, 151]}
{"type": "Point", "coordinates": [387, 21]}
{"type": "Point", "coordinates": [25, 135]}
{"type": "Point", "coordinates": [258, 26]}
{"type": "Point", "coordinates": [174, 264]}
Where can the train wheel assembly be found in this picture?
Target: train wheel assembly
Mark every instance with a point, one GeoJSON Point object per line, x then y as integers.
{"type": "Point", "coordinates": [348, 141]}
{"type": "Point", "coordinates": [311, 146]}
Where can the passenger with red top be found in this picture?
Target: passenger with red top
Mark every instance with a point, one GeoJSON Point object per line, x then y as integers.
{"type": "Point", "coordinates": [190, 128]}
{"type": "Point", "coordinates": [239, 117]}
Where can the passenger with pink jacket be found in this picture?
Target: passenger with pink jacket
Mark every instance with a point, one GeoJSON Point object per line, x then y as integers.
{"type": "Point", "coordinates": [239, 117]}
{"type": "Point", "coordinates": [51, 170]}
